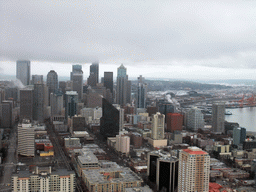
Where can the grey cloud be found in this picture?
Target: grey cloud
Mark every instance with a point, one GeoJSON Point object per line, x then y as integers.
{"type": "Point", "coordinates": [176, 32]}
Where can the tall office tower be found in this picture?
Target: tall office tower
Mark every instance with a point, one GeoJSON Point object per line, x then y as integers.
{"type": "Point", "coordinates": [164, 107]}
{"type": "Point", "coordinates": [141, 93]}
{"type": "Point", "coordinates": [194, 170]}
{"type": "Point", "coordinates": [167, 173]}
{"type": "Point", "coordinates": [77, 77]}
{"type": "Point", "coordinates": [158, 126]}
{"type": "Point", "coordinates": [37, 79]}
{"type": "Point", "coordinates": [56, 102]}
{"type": "Point", "coordinates": [94, 75]}
{"type": "Point", "coordinates": [195, 119]}
{"type": "Point", "coordinates": [26, 104]}
{"type": "Point", "coordinates": [62, 86]}
{"type": "Point", "coordinates": [218, 117]}
{"type": "Point", "coordinates": [44, 179]}
{"type": "Point", "coordinates": [108, 81]}
{"type": "Point", "coordinates": [239, 135]}
{"type": "Point", "coordinates": [163, 170]}
{"type": "Point", "coordinates": [110, 120]}
{"type": "Point", "coordinates": [23, 71]}
{"type": "Point", "coordinates": [71, 104]}
{"type": "Point", "coordinates": [2, 95]}
{"type": "Point", "coordinates": [38, 102]}
{"type": "Point", "coordinates": [123, 89]}
{"type": "Point", "coordinates": [6, 108]}
{"type": "Point", "coordinates": [174, 122]}
{"type": "Point", "coordinates": [26, 139]}
{"type": "Point", "coordinates": [52, 81]}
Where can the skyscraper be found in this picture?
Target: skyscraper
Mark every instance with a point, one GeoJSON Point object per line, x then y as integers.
{"type": "Point", "coordinates": [108, 81]}
{"type": "Point", "coordinates": [77, 77]}
{"type": "Point", "coordinates": [195, 119]}
{"type": "Point", "coordinates": [110, 122]}
{"type": "Point", "coordinates": [37, 79]}
{"type": "Point", "coordinates": [26, 104]}
{"type": "Point", "coordinates": [52, 81]}
{"type": "Point", "coordinates": [39, 102]}
{"type": "Point", "coordinates": [71, 104]}
{"type": "Point", "coordinates": [23, 71]}
{"type": "Point", "coordinates": [158, 126]}
{"type": "Point", "coordinates": [56, 102]}
{"type": "Point", "coordinates": [94, 75]}
{"type": "Point", "coordinates": [218, 117]}
{"type": "Point", "coordinates": [141, 93]}
{"type": "Point", "coordinates": [163, 170]}
{"type": "Point", "coordinates": [194, 170]}
{"type": "Point", "coordinates": [239, 135]}
{"type": "Point", "coordinates": [123, 90]}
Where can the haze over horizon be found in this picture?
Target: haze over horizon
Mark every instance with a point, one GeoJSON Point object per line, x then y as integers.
{"type": "Point", "coordinates": [157, 39]}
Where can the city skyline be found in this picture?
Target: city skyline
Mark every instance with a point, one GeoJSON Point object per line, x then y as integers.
{"type": "Point", "coordinates": [183, 40]}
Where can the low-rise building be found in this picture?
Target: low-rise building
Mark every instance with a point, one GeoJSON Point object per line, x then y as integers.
{"type": "Point", "coordinates": [110, 179]}
{"type": "Point", "coordinates": [44, 180]}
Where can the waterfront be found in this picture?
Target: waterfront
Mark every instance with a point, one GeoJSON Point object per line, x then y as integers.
{"type": "Point", "coordinates": [245, 117]}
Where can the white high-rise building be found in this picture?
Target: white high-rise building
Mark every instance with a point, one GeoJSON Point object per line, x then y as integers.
{"type": "Point", "coordinates": [123, 144]}
{"type": "Point", "coordinates": [194, 170]}
{"type": "Point", "coordinates": [218, 117]}
{"type": "Point", "coordinates": [195, 119]}
{"type": "Point", "coordinates": [26, 139]}
{"type": "Point", "coordinates": [158, 126]}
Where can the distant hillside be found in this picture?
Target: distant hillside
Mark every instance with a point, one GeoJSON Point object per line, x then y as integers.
{"type": "Point", "coordinates": [158, 85]}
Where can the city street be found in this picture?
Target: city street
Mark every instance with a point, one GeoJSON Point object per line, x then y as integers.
{"type": "Point", "coordinates": [10, 162]}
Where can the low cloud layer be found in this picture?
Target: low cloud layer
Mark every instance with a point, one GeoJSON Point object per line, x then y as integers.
{"type": "Point", "coordinates": [207, 33]}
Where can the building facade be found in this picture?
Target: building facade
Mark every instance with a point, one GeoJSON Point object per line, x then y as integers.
{"type": "Point", "coordinates": [194, 170]}
{"type": "Point", "coordinates": [195, 119]}
{"type": "Point", "coordinates": [123, 89]}
{"type": "Point", "coordinates": [71, 101]}
{"type": "Point", "coordinates": [26, 139]}
{"type": "Point", "coordinates": [158, 126]}
{"type": "Point", "coordinates": [218, 117]}
{"type": "Point", "coordinates": [23, 71]}
{"type": "Point", "coordinates": [61, 180]}
{"type": "Point", "coordinates": [174, 122]}
{"type": "Point", "coordinates": [39, 99]}
{"type": "Point", "coordinates": [76, 76]}
{"type": "Point", "coordinates": [239, 135]}
{"type": "Point", "coordinates": [52, 81]}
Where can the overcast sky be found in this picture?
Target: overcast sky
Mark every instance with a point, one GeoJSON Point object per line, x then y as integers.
{"type": "Point", "coordinates": [154, 38]}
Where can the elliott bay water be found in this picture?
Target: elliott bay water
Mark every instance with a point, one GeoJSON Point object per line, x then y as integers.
{"type": "Point", "coordinates": [245, 117]}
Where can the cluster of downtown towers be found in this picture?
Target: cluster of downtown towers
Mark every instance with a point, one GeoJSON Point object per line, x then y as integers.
{"type": "Point", "coordinates": [73, 90]}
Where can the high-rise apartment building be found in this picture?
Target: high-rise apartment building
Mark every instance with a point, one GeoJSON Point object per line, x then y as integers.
{"type": "Point", "coordinates": [26, 139]}
{"type": "Point", "coordinates": [71, 101]}
{"type": "Point", "coordinates": [123, 89]}
{"type": "Point", "coordinates": [194, 170]}
{"type": "Point", "coordinates": [26, 104]}
{"type": "Point", "coordinates": [218, 117]}
{"type": "Point", "coordinates": [76, 76]}
{"type": "Point", "coordinates": [174, 122]}
{"type": "Point", "coordinates": [195, 119]}
{"type": "Point", "coordinates": [52, 81]}
{"type": "Point", "coordinates": [141, 93]}
{"type": "Point", "coordinates": [123, 144]}
{"type": "Point", "coordinates": [39, 102]}
{"type": "Point", "coordinates": [23, 71]}
{"type": "Point", "coordinates": [239, 135]}
{"type": "Point", "coordinates": [158, 126]}
{"type": "Point", "coordinates": [44, 179]}
{"type": "Point", "coordinates": [37, 79]}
